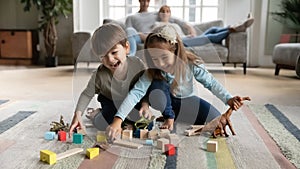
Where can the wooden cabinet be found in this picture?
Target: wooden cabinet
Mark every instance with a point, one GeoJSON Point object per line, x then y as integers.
{"type": "Point", "coordinates": [18, 45]}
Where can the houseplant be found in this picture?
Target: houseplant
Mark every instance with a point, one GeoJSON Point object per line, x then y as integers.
{"type": "Point", "coordinates": [289, 14]}
{"type": "Point", "coordinates": [51, 10]}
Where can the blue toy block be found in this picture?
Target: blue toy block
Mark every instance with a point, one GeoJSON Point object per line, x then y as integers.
{"type": "Point", "coordinates": [137, 133]}
{"type": "Point", "coordinates": [149, 142]}
{"type": "Point", "coordinates": [49, 135]}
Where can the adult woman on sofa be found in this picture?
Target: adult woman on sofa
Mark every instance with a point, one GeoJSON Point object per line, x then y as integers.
{"type": "Point", "coordinates": [211, 35]}
{"type": "Point", "coordinates": [140, 24]}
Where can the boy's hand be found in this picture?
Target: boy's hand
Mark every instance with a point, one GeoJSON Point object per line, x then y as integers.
{"type": "Point", "coordinates": [114, 130]}
{"type": "Point", "coordinates": [76, 122]}
{"type": "Point", "coordinates": [168, 124]}
{"type": "Point", "coordinates": [145, 111]}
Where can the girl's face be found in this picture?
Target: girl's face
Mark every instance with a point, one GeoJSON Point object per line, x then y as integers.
{"type": "Point", "coordinates": [115, 59]}
{"type": "Point", "coordinates": [164, 14]}
{"type": "Point", "coordinates": [162, 57]}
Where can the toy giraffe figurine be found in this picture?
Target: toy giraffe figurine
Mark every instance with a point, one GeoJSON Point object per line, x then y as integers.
{"type": "Point", "coordinates": [224, 121]}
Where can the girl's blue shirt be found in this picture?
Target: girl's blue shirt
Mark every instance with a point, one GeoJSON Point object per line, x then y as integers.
{"type": "Point", "coordinates": [185, 88]}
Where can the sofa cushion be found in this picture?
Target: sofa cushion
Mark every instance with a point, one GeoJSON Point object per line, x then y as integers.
{"type": "Point", "coordinates": [211, 53]}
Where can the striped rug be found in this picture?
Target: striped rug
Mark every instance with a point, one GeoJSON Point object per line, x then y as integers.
{"type": "Point", "coordinates": [25, 139]}
{"type": "Point", "coordinates": [282, 123]}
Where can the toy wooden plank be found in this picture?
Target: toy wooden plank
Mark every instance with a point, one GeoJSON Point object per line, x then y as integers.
{"type": "Point", "coordinates": [127, 144]}
{"type": "Point", "coordinates": [194, 131]}
{"type": "Point", "coordinates": [68, 153]}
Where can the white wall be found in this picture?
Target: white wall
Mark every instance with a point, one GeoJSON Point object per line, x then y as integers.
{"type": "Point", "coordinates": [87, 15]}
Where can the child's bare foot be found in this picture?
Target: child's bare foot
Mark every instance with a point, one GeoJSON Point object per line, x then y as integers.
{"type": "Point", "coordinates": [168, 124]}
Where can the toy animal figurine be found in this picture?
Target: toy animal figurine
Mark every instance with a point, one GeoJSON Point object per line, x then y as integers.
{"type": "Point", "coordinates": [224, 121]}
{"type": "Point", "coordinates": [58, 126]}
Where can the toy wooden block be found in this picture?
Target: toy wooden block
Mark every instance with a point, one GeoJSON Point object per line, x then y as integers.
{"type": "Point", "coordinates": [164, 133]}
{"type": "Point", "coordinates": [92, 152]}
{"type": "Point", "coordinates": [128, 144]}
{"type": "Point", "coordinates": [101, 137]}
{"type": "Point", "coordinates": [143, 133]}
{"type": "Point", "coordinates": [49, 135]}
{"type": "Point", "coordinates": [62, 136]}
{"type": "Point", "coordinates": [153, 134]}
{"type": "Point", "coordinates": [77, 138]}
{"type": "Point", "coordinates": [161, 143]}
{"type": "Point", "coordinates": [195, 130]}
{"type": "Point", "coordinates": [127, 134]}
{"type": "Point", "coordinates": [81, 131]}
{"type": "Point", "coordinates": [170, 149]}
{"type": "Point", "coordinates": [149, 142]}
{"type": "Point", "coordinates": [51, 158]}
{"type": "Point", "coordinates": [48, 156]}
{"type": "Point", "coordinates": [174, 139]}
{"type": "Point", "coordinates": [212, 146]}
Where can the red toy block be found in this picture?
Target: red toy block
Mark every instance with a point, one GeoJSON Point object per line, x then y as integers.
{"type": "Point", "coordinates": [170, 149]}
{"type": "Point", "coordinates": [62, 136]}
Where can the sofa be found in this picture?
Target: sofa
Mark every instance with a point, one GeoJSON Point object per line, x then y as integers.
{"type": "Point", "coordinates": [287, 56]}
{"type": "Point", "coordinates": [233, 50]}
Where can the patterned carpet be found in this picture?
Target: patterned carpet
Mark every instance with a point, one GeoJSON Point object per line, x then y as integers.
{"type": "Point", "coordinates": [282, 127]}
{"type": "Point", "coordinates": [21, 143]}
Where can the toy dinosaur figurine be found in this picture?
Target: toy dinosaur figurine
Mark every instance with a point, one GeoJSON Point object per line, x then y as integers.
{"type": "Point", "coordinates": [224, 121]}
{"type": "Point", "coordinates": [58, 126]}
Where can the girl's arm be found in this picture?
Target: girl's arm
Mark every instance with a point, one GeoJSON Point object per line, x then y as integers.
{"type": "Point", "coordinates": [209, 82]}
{"type": "Point", "coordinates": [133, 97]}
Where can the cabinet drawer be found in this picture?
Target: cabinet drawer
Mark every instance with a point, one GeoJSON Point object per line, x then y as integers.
{"type": "Point", "coordinates": [16, 44]}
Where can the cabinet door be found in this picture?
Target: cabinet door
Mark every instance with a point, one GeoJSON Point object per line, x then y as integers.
{"type": "Point", "coordinates": [16, 44]}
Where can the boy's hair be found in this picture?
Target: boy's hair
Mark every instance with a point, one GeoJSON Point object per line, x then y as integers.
{"type": "Point", "coordinates": [167, 34]}
{"type": "Point", "coordinates": [106, 37]}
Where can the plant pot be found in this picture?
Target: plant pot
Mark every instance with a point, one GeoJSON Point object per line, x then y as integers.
{"type": "Point", "coordinates": [51, 61]}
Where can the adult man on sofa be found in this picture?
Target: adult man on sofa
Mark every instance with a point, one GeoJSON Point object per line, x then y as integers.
{"type": "Point", "coordinates": [140, 24]}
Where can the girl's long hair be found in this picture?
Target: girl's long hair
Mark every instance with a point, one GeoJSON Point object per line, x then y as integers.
{"type": "Point", "coordinates": [183, 57]}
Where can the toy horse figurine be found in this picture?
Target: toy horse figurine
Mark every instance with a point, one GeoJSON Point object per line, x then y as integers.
{"type": "Point", "coordinates": [224, 121]}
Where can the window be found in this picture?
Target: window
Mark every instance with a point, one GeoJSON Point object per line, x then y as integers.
{"type": "Point", "coordinates": [193, 11]}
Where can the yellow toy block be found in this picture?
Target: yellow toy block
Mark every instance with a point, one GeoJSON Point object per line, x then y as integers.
{"type": "Point", "coordinates": [92, 152]}
{"type": "Point", "coordinates": [48, 156]}
{"type": "Point", "coordinates": [101, 137]}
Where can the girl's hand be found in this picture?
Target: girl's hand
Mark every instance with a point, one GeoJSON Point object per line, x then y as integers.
{"type": "Point", "coordinates": [236, 102]}
{"type": "Point", "coordinates": [145, 111]}
{"type": "Point", "coordinates": [168, 124]}
{"type": "Point", "coordinates": [76, 122]}
{"type": "Point", "coordinates": [114, 130]}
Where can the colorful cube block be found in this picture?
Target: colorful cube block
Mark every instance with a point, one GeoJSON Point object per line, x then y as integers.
{"type": "Point", "coordinates": [49, 135]}
{"type": "Point", "coordinates": [212, 146]}
{"type": "Point", "coordinates": [170, 149]}
{"type": "Point", "coordinates": [101, 137]}
{"type": "Point", "coordinates": [127, 134]}
{"type": "Point", "coordinates": [77, 138]}
{"type": "Point", "coordinates": [48, 156]}
{"type": "Point", "coordinates": [161, 143]}
{"type": "Point", "coordinates": [62, 136]}
{"type": "Point", "coordinates": [92, 152]}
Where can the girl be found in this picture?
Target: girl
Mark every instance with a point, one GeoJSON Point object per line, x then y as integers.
{"type": "Point", "coordinates": [167, 59]}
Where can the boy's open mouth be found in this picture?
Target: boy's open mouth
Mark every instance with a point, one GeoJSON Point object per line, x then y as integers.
{"type": "Point", "coordinates": [116, 64]}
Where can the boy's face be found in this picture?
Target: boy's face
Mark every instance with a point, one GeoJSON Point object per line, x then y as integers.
{"type": "Point", "coordinates": [115, 59]}
{"type": "Point", "coordinates": [164, 14]}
